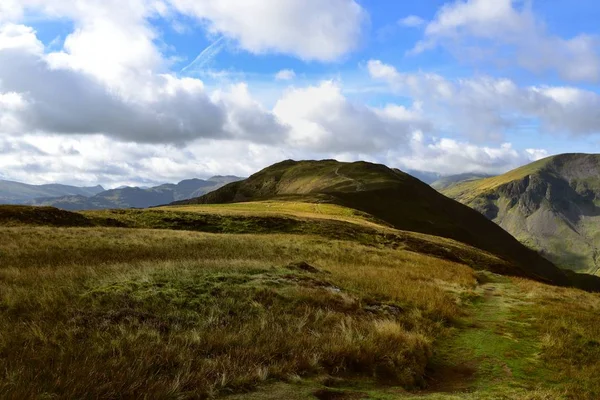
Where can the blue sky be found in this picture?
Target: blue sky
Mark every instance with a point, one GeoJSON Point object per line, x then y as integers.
{"type": "Point", "coordinates": [151, 91]}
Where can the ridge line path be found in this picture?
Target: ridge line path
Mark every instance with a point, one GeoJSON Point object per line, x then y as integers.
{"type": "Point", "coordinates": [360, 187]}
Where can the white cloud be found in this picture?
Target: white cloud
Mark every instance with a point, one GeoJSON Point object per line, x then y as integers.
{"type": "Point", "coordinates": [10, 10]}
{"type": "Point", "coordinates": [104, 108]}
{"type": "Point", "coordinates": [111, 39]}
{"type": "Point", "coordinates": [449, 156]}
{"type": "Point", "coordinates": [323, 119]}
{"type": "Point", "coordinates": [479, 29]}
{"type": "Point", "coordinates": [485, 107]}
{"type": "Point", "coordinates": [285, 75]}
{"type": "Point", "coordinates": [86, 160]}
{"type": "Point", "coordinates": [89, 160]}
{"type": "Point", "coordinates": [162, 108]}
{"type": "Point", "coordinates": [412, 21]}
{"type": "Point", "coordinates": [308, 29]}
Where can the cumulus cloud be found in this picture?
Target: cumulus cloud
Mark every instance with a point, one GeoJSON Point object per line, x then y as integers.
{"type": "Point", "coordinates": [105, 108]}
{"type": "Point", "coordinates": [479, 29]}
{"type": "Point", "coordinates": [449, 156]}
{"type": "Point", "coordinates": [39, 97]}
{"type": "Point", "coordinates": [485, 107]}
{"type": "Point", "coordinates": [89, 160]}
{"type": "Point", "coordinates": [111, 39]}
{"type": "Point", "coordinates": [323, 119]}
{"type": "Point", "coordinates": [308, 29]}
{"type": "Point", "coordinates": [285, 75]}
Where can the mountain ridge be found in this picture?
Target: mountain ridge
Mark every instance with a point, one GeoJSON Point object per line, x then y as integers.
{"type": "Point", "coordinates": [552, 205]}
{"type": "Point", "coordinates": [389, 195]}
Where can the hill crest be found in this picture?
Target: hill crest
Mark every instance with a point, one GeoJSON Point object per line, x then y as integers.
{"type": "Point", "coordinates": [389, 195]}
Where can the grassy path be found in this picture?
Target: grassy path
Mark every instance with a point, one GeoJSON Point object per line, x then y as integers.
{"type": "Point", "coordinates": [494, 354]}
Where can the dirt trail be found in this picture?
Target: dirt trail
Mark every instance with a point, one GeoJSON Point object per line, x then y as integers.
{"type": "Point", "coordinates": [359, 185]}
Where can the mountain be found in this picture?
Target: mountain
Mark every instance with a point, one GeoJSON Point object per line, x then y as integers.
{"type": "Point", "coordinates": [393, 197]}
{"type": "Point", "coordinates": [446, 181]}
{"type": "Point", "coordinates": [134, 197]}
{"type": "Point", "coordinates": [551, 205]}
{"type": "Point", "coordinates": [21, 193]}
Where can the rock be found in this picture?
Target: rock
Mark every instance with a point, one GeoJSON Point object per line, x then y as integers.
{"type": "Point", "coordinates": [303, 266]}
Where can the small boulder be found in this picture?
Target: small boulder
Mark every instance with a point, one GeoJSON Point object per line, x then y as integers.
{"type": "Point", "coordinates": [303, 266]}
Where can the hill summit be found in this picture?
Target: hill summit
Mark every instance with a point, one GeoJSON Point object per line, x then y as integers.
{"type": "Point", "coordinates": [391, 196]}
{"type": "Point", "coordinates": [552, 205]}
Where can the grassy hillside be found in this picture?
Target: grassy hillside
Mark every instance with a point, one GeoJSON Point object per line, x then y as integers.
{"type": "Point", "coordinates": [330, 304]}
{"type": "Point", "coordinates": [550, 205]}
{"type": "Point", "coordinates": [398, 199]}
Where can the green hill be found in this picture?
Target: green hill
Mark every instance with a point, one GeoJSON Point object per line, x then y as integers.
{"type": "Point", "coordinates": [551, 205]}
{"type": "Point", "coordinates": [391, 196]}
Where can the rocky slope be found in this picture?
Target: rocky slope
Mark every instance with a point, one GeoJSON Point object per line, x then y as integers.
{"type": "Point", "coordinates": [552, 205]}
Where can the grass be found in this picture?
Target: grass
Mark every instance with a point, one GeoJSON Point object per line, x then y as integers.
{"type": "Point", "coordinates": [568, 321]}
{"type": "Point", "coordinates": [89, 312]}
{"type": "Point", "coordinates": [284, 208]}
{"type": "Point", "coordinates": [196, 302]}
{"type": "Point", "coordinates": [518, 339]}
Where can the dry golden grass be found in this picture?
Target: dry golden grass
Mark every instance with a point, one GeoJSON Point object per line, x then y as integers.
{"type": "Point", "coordinates": [113, 313]}
{"type": "Point", "coordinates": [296, 209]}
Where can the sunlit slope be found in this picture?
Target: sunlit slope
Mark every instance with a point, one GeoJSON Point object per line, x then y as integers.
{"type": "Point", "coordinates": [327, 221]}
{"type": "Point", "coordinates": [550, 205]}
{"type": "Point", "coordinates": [391, 196]}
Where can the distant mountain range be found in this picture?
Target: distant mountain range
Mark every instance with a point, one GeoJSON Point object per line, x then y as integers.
{"type": "Point", "coordinates": [551, 205]}
{"type": "Point", "coordinates": [22, 193]}
{"type": "Point", "coordinates": [93, 198]}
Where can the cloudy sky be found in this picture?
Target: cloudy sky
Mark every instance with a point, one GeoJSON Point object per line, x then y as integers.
{"type": "Point", "coordinates": [150, 91]}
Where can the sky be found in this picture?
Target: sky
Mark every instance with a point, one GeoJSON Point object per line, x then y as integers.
{"type": "Point", "coordinates": [142, 92]}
